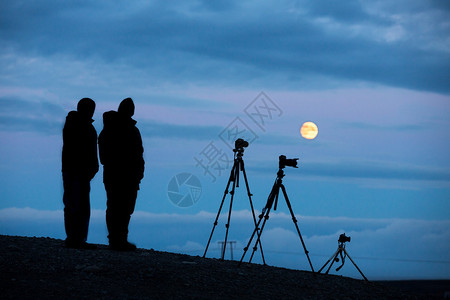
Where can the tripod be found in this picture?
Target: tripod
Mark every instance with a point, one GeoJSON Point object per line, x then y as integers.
{"type": "Point", "coordinates": [343, 254]}
{"type": "Point", "coordinates": [234, 177]}
{"type": "Point", "coordinates": [273, 198]}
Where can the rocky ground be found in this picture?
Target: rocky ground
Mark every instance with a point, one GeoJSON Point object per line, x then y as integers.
{"type": "Point", "coordinates": [43, 268]}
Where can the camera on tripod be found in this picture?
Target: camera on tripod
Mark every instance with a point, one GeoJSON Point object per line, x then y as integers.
{"type": "Point", "coordinates": [233, 182]}
{"type": "Point", "coordinates": [343, 238]}
{"type": "Point", "coordinates": [343, 254]}
{"type": "Point", "coordinates": [287, 162]}
{"type": "Point", "coordinates": [240, 143]}
{"type": "Point", "coordinates": [239, 146]}
{"type": "Point", "coordinates": [272, 202]}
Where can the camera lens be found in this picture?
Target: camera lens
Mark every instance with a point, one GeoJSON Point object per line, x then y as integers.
{"type": "Point", "coordinates": [287, 162]}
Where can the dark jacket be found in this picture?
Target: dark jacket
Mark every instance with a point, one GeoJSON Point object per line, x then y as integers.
{"type": "Point", "coordinates": [79, 153]}
{"type": "Point", "coordinates": [121, 151]}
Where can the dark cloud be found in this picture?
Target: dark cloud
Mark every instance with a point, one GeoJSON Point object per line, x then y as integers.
{"type": "Point", "coordinates": [441, 4]}
{"type": "Point", "coordinates": [269, 44]}
{"type": "Point", "coordinates": [217, 6]}
{"type": "Point", "coordinates": [367, 170]}
{"type": "Point", "coordinates": [375, 171]}
{"type": "Point", "coordinates": [11, 123]}
{"type": "Point", "coordinates": [43, 116]}
{"type": "Point", "coordinates": [22, 115]}
{"type": "Point", "coordinates": [19, 106]}
{"type": "Point", "coordinates": [386, 127]}
{"type": "Point", "coordinates": [164, 130]}
{"type": "Point", "coordinates": [345, 11]}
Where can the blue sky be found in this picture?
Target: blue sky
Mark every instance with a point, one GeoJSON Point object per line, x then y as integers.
{"type": "Point", "coordinates": [373, 75]}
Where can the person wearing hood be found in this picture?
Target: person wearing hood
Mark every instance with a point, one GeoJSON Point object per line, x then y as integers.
{"type": "Point", "coordinates": [121, 154]}
{"type": "Point", "coordinates": [79, 166]}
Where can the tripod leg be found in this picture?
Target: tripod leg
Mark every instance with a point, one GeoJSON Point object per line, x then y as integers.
{"type": "Point", "coordinates": [342, 261]}
{"type": "Point", "coordinates": [294, 219]}
{"type": "Point", "coordinates": [355, 265]}
{"type": "Point", "coordinates": [251, 238]}
{"type": "Point", "coordinates": [220, 208]}
{"type": "Point", "coordinates": [258, 239]}
{"type": "Point", "coordinates": [264, 214]}
{"type": "Point", "coordinates": [332, 257]}
{"type": "Point", "coordinates": [334, 260]}
{"type": "Point", "coordinates": [229, 212]}
{"type": "Point", "coordinates": [251, 206]}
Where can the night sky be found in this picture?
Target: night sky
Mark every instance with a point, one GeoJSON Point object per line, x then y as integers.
{"type": "Point", "coordinates": [374, 76]}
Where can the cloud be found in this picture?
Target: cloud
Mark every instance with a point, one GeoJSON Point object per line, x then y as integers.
{"type": "Point", "coordinates": [279, 239]}
{"type": "Point", "coordinates": [186, 248]}
{"type": "Point", "coordinates": [279, 43]}
{"type": "Point", "coordinates": [28, 213]}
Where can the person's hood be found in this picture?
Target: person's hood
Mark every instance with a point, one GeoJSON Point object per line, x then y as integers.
{"type": "Point", "coordinates": [110, 118]}
{"type": "Point", "coordinates": [76, 117]}
{"type": "Point", "coordinates": [113, 118]}
{"type": "Point", "coordinates": [126, 107]}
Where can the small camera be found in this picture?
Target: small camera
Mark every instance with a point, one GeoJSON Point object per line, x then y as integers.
{"type": "Point", "coordinates": [288, 162]}
{"type": "Point", "coordinates": [343, 238]}
{"type": "Point", "coordinates": [240, 143]}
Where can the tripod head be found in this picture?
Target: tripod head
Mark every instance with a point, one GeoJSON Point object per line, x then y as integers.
{"type": "Point", "coordinates": [239, 152]}
{"type": "Point", "coordinates": [273, 196]}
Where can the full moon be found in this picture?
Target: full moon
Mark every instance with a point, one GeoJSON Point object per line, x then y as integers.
{"type": "Point", "coordinates": [309, 130]}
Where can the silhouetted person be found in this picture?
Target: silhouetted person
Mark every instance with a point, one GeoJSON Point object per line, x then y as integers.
{"type": "Point", "coordinates": [121, 154]}
{"type": "Point", "coordinates": [79, 166]}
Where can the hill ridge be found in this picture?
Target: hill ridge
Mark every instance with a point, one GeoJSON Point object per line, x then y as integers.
{"type": "Point", "coordinates": [43, 266]}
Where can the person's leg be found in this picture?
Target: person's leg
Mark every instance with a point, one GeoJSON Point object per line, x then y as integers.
{"type": "Point", "coordinates": [120, 206]}
{"type": "Point", "coordinates": [131, 195]}
{"type": "Point", "coordinates": [113, 209]}
{"type": "Point", "coordinates": [85, 209]}
{"type": "Point", "coordinates": [76, 210]}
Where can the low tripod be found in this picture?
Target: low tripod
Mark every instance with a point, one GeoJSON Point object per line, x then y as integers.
{"type": "Point", "coordinates": [273, 198]}
{"type": "Point", "coordinates": [343, 254]}
{"type": "Point", "coordinates": [234, 177]}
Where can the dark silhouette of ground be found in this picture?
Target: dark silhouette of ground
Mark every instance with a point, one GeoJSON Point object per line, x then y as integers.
{"type": "Point", "coordinates": [43, 268]}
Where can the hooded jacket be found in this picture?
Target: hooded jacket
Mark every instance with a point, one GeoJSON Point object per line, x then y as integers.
{"type": "Point", "coordinates": [79, 153]}
{"type": "Point", "coordinates": [121, 151]}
